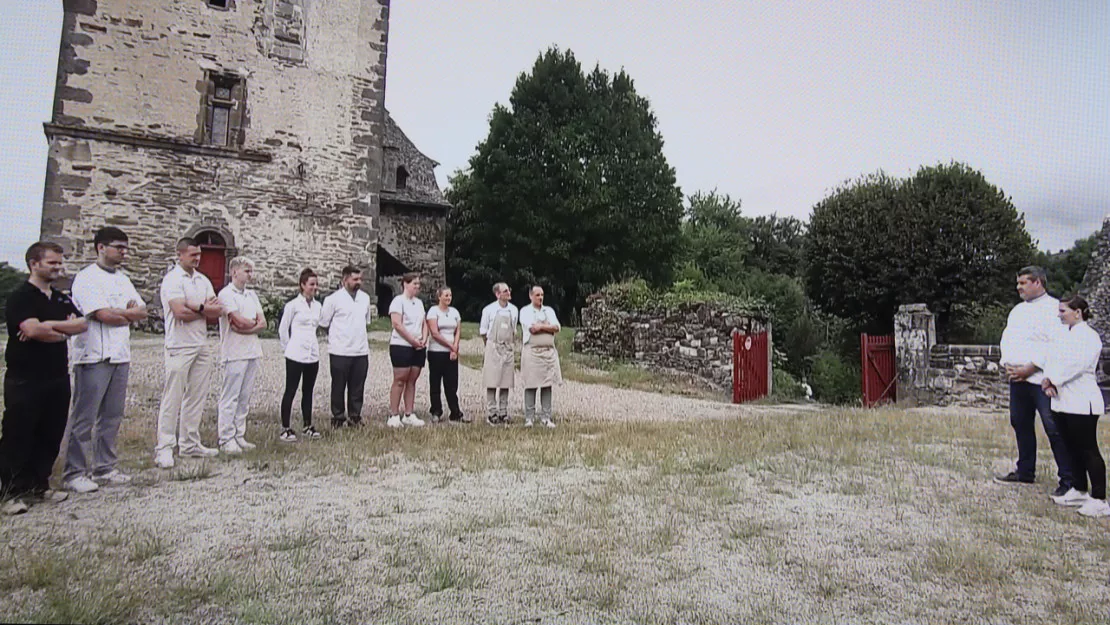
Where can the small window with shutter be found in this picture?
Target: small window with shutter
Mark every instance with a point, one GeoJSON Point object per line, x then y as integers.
{"type": "Point", "coordinates": [224, 110]}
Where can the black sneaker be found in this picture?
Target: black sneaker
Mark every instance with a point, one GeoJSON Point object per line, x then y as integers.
{"type": "Point", "coordinates": [310, 432]}
{"type": "Point", "coordinates": [1013, 478]}
{"type": "Point", "coordinates": [491, 419]}
{"type": "Point", "coordinates": [1061, 490]}
{"type": "Point", "coordinates": [338, 423]}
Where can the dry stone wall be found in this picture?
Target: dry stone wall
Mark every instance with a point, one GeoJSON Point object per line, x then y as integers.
{"type": "Point", "coordinates": [693, 339]}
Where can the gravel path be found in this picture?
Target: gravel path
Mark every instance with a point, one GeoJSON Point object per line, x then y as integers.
{"type": "Point", "coordinates": [574, 400]}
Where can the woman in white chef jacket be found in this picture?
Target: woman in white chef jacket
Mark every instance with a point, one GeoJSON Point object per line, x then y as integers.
{"type": "Point", "coordinates": [1071, 381]}
{"type": "Point", "coordinates": [297, 332]}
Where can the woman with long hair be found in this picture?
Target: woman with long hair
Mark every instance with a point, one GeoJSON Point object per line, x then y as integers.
{"type": "Point", "coordinates": [1071, 381]}
{"type": "Point", "coordinates": [407, 351]}
{"type": "Point", "coordinates": [297, 331]}
{"type": "Point", "coordinates": [443, 356]}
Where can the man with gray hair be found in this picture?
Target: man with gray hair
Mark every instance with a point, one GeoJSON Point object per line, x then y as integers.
{"type": "Point", "coordinates": [498, 331]}
{"type": "Point", "coordinates": [240, 353]}
{"type": "Point", "coordinates": [1030, 332]}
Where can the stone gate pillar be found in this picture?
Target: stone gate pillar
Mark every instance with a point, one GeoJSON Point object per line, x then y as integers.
{"type": "Point", "coordinates": [915, 334]}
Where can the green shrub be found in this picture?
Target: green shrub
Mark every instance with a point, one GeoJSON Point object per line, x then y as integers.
{"type": "Point", "coordinates": [834, 380]}
{"type": "Point", "coordinates": [785, 387]}
{"type": "Point", "coordinates": [637, 295]}
{"type": "Point", "coordinates": [977, 325]}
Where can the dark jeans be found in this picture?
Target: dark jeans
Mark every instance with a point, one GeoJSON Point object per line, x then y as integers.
{"type": "Point", "coordinates": [348, 374]}
{"type": "Point", "coordinates": [35, 415]}
{"type": "Point", "coordinates": [298, 372]}
{"type": "Point", "coordinates": [441, 369]}
{"type": "Point", "coordinates": [1079, 434]}
{"type": "Point", "coordinates": [1026, 400]}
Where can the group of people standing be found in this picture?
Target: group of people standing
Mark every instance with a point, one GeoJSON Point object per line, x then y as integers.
{"type": "Point", "coordinates": [1051, 357]}
{"type": "Point", "coordinates": [96, 319]}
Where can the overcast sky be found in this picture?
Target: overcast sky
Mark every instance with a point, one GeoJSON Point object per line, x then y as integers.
{"type": "Point", "coordinates": [774, 103]}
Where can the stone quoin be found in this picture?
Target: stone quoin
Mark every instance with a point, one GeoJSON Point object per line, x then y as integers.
{"type": "Point", "coordinates": [258, 127]}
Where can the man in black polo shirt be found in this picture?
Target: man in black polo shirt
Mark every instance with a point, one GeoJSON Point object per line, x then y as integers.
{"type": "Point", "coordinates": [36, 383]}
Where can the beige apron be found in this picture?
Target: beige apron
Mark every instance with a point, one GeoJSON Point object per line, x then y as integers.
{"type": "Point", "coordinates": [498, 367]}
{"type": "Point", "coordinates": [539, 363]}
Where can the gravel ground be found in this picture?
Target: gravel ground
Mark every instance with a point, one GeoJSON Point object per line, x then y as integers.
{"type": "Point", "coordinates": [574, 400]}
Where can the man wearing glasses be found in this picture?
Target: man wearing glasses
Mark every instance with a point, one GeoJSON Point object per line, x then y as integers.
{"type": "Point", "coordinates": [102, 358]}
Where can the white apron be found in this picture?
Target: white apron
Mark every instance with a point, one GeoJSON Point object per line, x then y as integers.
{"type": "Point", "coordinates": [498, 367]}
{"type": "Point", "coordinates": [539, 364]}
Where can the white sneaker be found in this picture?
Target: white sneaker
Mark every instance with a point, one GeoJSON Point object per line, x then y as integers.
{"type": "Point", "coordinates": [288, 436]}
{"type": "Point", "coordinates": [200, 451]}
{"type": "Point", "coordinates": [527, 423]}
{"type": "Point", "coordinates": [394, 421]}
{"type": "Point", "coordinates": [1095, 508]}
{"type": "Point", "coordinates": [13, 507]}
{"type": "Point", "coordinates": [244, 444]}
{"type": "Point", "coordinates": [548, 423]}
{"type": "Point", "coordinates": [1072, 498]}
{"type": "Point", "coordinates": [164, 458]}
{"type": "Point", "coordinates": [81, 484]}
{"type": "Point", "coordinates": [413, 421]}
{"type": "Point", "coordinates": [115, 476]}
{"type": "Point", "coordinates": [231, 447]}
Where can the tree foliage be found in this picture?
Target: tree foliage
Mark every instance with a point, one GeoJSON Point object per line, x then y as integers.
{"type": "Point", "coordinates": [10, 279]}
{"type": "Point", "coordinates": [944, 236]}
{"type": "Point", "coordinates": [1067, 268]}
{"type": "Point", "coordinates": [569, 190]}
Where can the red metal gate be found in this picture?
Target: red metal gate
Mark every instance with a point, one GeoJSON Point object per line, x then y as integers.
{"type": "Point", "coordinates": [750, 367]}
{"type": "Point", "coordinates": [879, 371]}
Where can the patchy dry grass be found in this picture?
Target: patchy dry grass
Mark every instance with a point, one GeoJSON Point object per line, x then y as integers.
{"type": "Point", "coordinates": [815, 516]}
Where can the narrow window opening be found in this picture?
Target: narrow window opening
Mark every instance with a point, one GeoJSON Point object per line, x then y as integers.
{"type": "Point", "coordinates": [402, 178]}
{"type": "Point", "coordinates": [222, 110]}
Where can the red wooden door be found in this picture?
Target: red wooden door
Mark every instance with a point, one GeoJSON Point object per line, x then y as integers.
{"type": "Point", "coordinates": [213, 264]}
{"type": "Point", "coordinates": [877, 354]}
{"type": "Point", "coordinates": [749, 367]}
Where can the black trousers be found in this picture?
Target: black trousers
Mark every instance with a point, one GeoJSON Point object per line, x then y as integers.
{"type": "Point", "coordinates": [35, 414]}
{"type": "Point", "coordinates": [443, 370]}
{"type": "Point", "coordinates": [306, 375]}
{"type": "Point", "coordinates": [348, 377]}
{"type": "Point", "coordinates": [1086, 461]}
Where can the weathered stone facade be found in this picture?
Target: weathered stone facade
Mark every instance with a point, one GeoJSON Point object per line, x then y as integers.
{"type": "Point", "coordinates": [691, 339]}
{"type": "Point", "coordinates": [1096, 284]}
{"type": "Point", "coordinates": [257, 125]}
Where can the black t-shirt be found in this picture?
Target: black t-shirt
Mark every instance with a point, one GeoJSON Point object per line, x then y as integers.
{"type": "Point", "coordinates": [35, 359]}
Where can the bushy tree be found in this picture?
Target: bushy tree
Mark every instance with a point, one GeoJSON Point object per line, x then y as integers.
{"type": "Point", "coordinates": [570, 190]}
{"type": "Point", "coordinates": [944, 236]}
{"type": "Point", "coordinates": [10, 279]}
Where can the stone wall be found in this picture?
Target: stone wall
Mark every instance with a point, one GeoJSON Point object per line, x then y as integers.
{"type": "Point", "coordinates": [415, 236]}
{"type": "Point", "coordinates": [689, 339]}
{"type": "Point", "coordinates": [298, 187]}
{"type": "Point", "coordinates": [1096, 284]}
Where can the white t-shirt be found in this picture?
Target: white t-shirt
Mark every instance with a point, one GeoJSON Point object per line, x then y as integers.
{"type": "Point", "coordinates": [491, 311]}
{"type": "Point", "coordinates": [195, 289]}
{"type": "Point", "coordinates": [95, 288]}
{"type": "Point", "coordinates": [233, 345]}
{"type": "Point", "coordinates": [346, 317]}
{"type": "Point", "coordinates": [529, 315]}
{"type": "Point", "coordinates": [412, 317]}
{"type": "Point", "coordinates": [447, 322]}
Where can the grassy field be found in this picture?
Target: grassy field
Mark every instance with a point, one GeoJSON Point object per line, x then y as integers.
{"type": "Point", "coordinates": [831, 516]}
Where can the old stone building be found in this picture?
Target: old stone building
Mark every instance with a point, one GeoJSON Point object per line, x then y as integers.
{"type": "Point", "coordinates": [256, 126]}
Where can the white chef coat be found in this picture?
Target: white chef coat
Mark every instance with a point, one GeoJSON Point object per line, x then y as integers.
{"type": "Point", "coordinates": [194, 289]}
{"type": "Point", "coordinates": [492, 310]}
{"type": "Point", "coordinates": [298, 330]}
{"type": "Point", "coordinates": [1072, 367]}
{"type": "Point", "coordinates": [233, 345]}
{"type": "Point", "coordinates": [529, 315]}
{"type": "Point", "coordinates": [95, 288]}
{"type": "Point", "coordinates": [1031, 329]}
{"type": "Point", "coordinates": [346, 317]}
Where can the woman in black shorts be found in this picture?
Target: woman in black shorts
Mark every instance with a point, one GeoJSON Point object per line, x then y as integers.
{"type": "Point", "coordinates": [407, 351]}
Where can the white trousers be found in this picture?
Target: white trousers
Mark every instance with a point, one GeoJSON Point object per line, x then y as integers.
{"type": "Point", "coordinates": [235, 399]}
{"type": "Point", "coordinates": [188, 372]}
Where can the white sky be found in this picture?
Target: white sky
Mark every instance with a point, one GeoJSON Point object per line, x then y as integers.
{"type": "Point", "coordinates": [775, 103]}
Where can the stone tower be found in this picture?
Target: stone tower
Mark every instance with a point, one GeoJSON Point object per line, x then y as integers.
{"type": "Point", "coordinates": [254, 126]}
{"type": "Point", "coordinates": [1096, 284]}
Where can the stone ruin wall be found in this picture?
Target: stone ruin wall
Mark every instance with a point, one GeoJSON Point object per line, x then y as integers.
{"type": "Point", "coordinates": [693, 341]}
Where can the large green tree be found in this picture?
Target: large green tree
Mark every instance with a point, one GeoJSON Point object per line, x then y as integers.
{"type": "Point", "coordinates": [944, 236]}
{"type": "Point", "coordinates": [569, 190]}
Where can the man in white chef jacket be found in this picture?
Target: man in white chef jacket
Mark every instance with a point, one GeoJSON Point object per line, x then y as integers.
{"type": "Point", "coordinates": [1031, 330]}
{"type": "Point", "coordinates": [345, 314]}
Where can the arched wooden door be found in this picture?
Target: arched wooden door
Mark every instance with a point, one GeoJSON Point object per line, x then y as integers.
{"type": "Point", "coordinates": [213, 258]}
